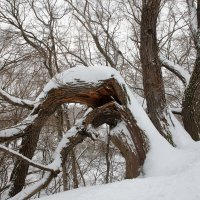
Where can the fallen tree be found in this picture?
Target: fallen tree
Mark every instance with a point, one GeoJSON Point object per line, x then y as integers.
{"type": "Point", "coordinates": [112, 102]}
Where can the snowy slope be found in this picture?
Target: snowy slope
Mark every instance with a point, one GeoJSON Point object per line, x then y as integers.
{"type": "Point", "coordinates": [175, 180]}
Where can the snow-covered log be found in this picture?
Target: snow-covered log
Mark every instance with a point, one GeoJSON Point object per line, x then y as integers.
{"type": "Point", "coordinates": [112, 102]}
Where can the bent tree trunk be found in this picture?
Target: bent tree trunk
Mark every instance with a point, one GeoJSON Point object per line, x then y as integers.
{"type": "Point", "coordinates": [151, 68]}
{"type": "Point", "coordinates": [112, 103]}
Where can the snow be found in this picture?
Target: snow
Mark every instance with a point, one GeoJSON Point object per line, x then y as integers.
{"type": "Point", "coordinates": [185, 74]}
{"type": "Point", "coordinates": [16, 100]}
{"type": "Point", "coordinates": [180, 136]}
{"type": "Point", "coordinates": [17, 129]}
{"type": "Point", "coordinates": [177, 110]}
{"type": "Point", "coordinates": [91, 75]}
{"type": "Point", "coordinates": [183, 184]}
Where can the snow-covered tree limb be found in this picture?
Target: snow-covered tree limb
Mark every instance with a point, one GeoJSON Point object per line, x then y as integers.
{"type": "Point", "coordinates": [176, 111]}
{"type": "Point", "coordinates": [21, 157]}
{"type": "Point", "coordinates": [14, 132]}
{"type": "Point", "coordinates": [182, 74]}
{"type": "Point", "coordinates": [16, 101]}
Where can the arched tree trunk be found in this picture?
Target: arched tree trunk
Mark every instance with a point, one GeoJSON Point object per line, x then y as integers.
{"type": "Point", "coordinates": [112, 103]}
{"type": "Point", "coordinates": [100, 97]}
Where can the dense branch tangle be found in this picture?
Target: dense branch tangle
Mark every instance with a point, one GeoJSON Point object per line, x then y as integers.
{"type": "Point", "coordinates": [109, 100]}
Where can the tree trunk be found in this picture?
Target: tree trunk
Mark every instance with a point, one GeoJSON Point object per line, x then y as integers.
{"type": "Point", "coordinates": [131, 160]}
{"type": "Point", "coordinates": [64, 176]}
{"type": "Point", "coordinates": [107, 152]}
{"type": "Point", "coordinates": [28, 147]}
{"type": "Point", "coordinates": [74, 171]}
{"type": "Point", "coordinates": [191, 102]}
{"type": "Point", "coordinates": [20, 170]}
{"type": "Point", "coordinates": [151, 68]}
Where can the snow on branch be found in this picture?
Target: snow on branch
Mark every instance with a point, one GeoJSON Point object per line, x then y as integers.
{"type": "Point", "coordinates": [176, 111]}
{"type": "Point", "coordinates": [16, 101]}
{"type": "Point", "coordinates": [16, 131]}
{"type": "Point", "coordinates": [182, 74]}
{"type": "Point", "coordinates": [73, 136]}
{"type": "Point", "coordinates": [21, 157]}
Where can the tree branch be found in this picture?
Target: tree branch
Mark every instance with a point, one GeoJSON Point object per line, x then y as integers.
{"type": "Point", "coordinates": [16, 101]}
{"type": "Point", "coordinates": [182, 74]}
{"type": "Point", "coordinates": [21, 157]}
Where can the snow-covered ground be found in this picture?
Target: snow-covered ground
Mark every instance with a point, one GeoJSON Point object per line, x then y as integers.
{"type": "Point", "coordinates": [177, 178]}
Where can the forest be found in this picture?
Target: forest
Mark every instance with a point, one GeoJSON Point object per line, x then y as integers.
{"type": "Point", "coordinates": [97, 91]}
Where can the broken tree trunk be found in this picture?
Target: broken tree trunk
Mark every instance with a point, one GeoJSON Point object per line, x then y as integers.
{"type": "Point", "coordinates": [104, 90]}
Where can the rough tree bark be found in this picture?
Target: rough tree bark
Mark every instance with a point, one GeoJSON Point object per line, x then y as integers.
{"type": "Point", "coordinates": [132, 163]}
{"type": "Point", "coordinates": [74, 170]}
{"type": "Point", "coordinates": [191, 102]}
{"type": "Point", "coordinates": [28, 146]}
{"type": "Point", "coordinates": [151, 67]}
{"type": "Point", "coordinates": [20, 169]}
